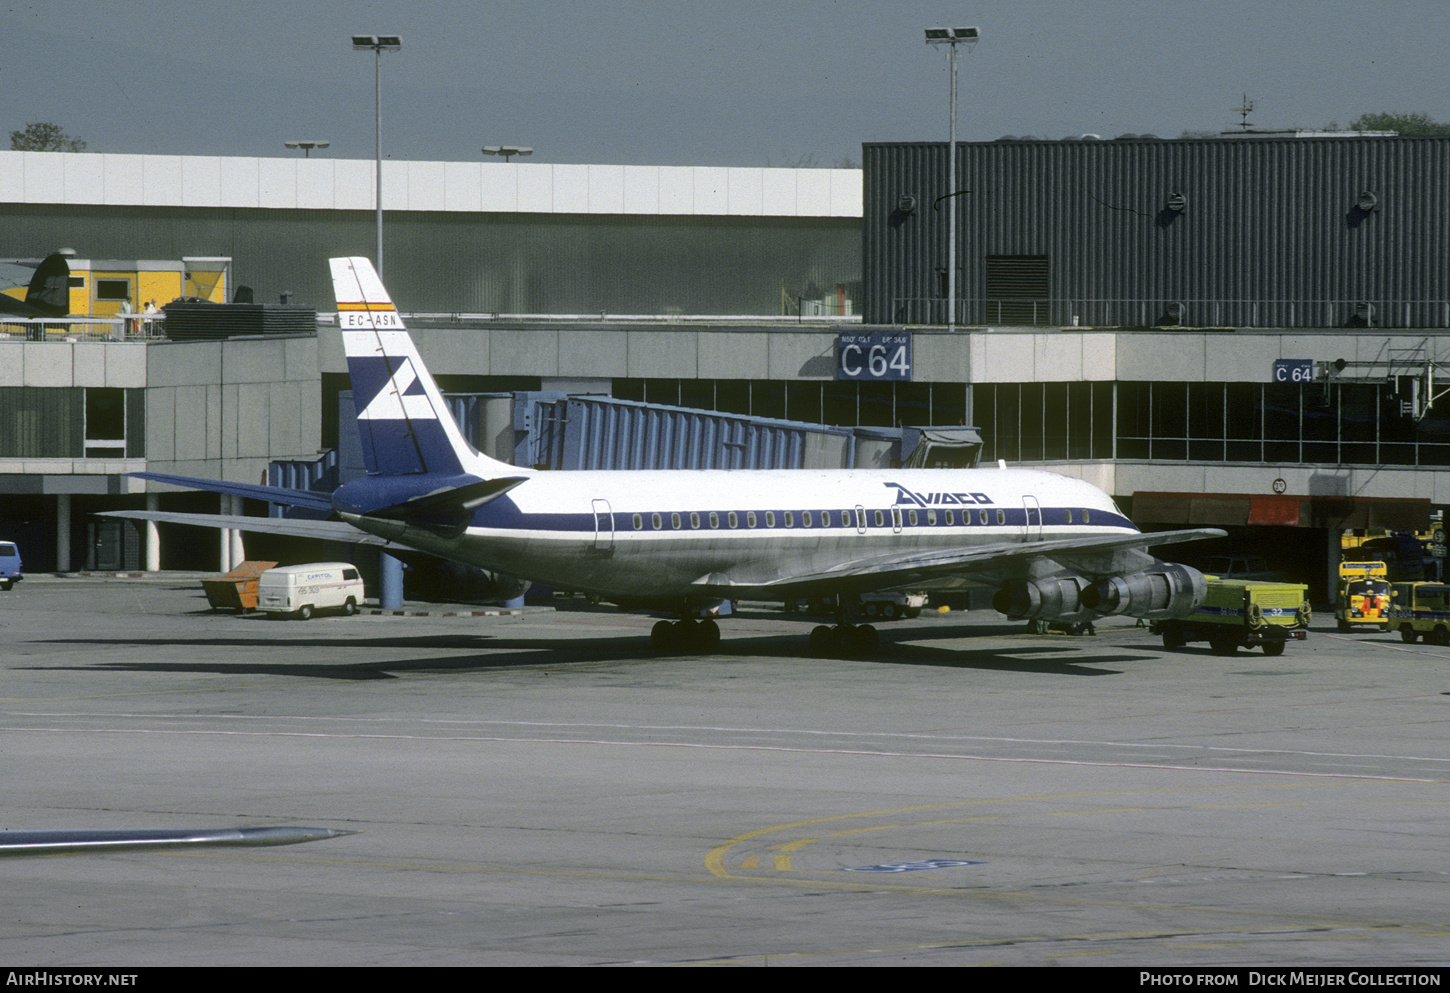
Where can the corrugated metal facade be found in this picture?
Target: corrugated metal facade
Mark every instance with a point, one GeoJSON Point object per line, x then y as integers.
{"type": "Point", "coordinates": [460, 263]}
{"type": "Point", "coordinates": [1269, 232]}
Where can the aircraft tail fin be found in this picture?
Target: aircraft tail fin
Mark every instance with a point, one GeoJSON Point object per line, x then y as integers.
{"type": "Point", "coordinates": [405, 425]}
{"type": "Point", "coordinates": [49, 289]}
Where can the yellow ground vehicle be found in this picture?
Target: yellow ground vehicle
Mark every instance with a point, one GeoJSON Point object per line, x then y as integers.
{"type": "Point", "coordinates": [1363, 595]}
{"type": "Point", "coordinates": [1421, 609]}
{"type": "Point", "coordinates": [1236, 613]}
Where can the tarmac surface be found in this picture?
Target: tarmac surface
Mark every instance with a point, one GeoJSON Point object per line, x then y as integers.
{"type": "Point", "coordinates": [540, 789]}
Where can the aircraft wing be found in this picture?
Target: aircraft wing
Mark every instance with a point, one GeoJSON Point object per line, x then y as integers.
{"type": "Point", "coordinates": [326, 530]}
{"type": "Point", "coordinates": [58, 840]}
{"type": "Point", "coordinates": [1090, 557]}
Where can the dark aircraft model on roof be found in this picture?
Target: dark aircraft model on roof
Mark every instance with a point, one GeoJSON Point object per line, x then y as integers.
{"type": "Point", "coordinates": [48, 294]}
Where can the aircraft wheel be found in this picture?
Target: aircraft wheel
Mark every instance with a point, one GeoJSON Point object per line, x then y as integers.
{"type": "Point", "coordinates": [662, 636]}
{"type": "Point", "coordinates": [862, 642]}
{"type": "Point", "coordinates": [1273, 648]}
{"type": "Point", "coordinates": [707, 635]}
{"type": "Point", "coordinates": [1408, 635]}
{"type": "Point", "coordinates": [823, 641]}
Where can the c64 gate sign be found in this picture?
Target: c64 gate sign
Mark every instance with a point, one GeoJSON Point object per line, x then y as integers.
{"type": "Point", "coordinates": [880, 356]}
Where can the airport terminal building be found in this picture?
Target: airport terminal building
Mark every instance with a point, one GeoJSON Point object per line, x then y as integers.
{"type": "Point", "coordinates": [1240, 332]}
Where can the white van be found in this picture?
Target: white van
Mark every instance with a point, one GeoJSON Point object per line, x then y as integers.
{"type": "Point", "coordinates": [301, 590]}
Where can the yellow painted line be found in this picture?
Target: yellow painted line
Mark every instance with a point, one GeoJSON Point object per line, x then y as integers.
{"type": "Point", "coordinates": [751, 862]}
{"type": "Point", "coordinates": [1234, 806]}
{"type": "Point", "coordinates": [715, 859]}
{"type": "Point", "coordinates": [782, 863]}
{"type": "Point", "coordinates": [793, 846]}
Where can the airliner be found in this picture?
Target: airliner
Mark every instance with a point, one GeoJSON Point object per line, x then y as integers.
{"type": "Point", "coordinates": [683, 541]}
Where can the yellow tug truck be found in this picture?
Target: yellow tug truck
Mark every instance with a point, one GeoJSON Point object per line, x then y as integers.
{"type": "Point", "coordinates": [1363, 596]}
{"type": "Point", "coordinates": [1420, 610]}
{"type": "Point", "coordinates": [1239, 613]}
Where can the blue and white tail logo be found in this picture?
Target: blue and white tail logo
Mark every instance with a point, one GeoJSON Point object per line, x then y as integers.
{"type": "Point", "coordinates": [406, 427]}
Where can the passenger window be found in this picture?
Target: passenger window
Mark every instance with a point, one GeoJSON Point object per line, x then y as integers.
{"type": "Point", "coordinates": [952, 518]}
{"type": "Point", "coordinates": [770, 518]}
{"type": "Point", "coordinates": [911, 516]}
{"type": "Point", "coordinates": [655, 520]}
{"type": "Point", "coordinates": [694, 520]}
{"type": "Point", "coordinates": [1086, 517]}
{"type": "Point", "coordinates": [789, 519]}
{"type": "Point", "coordinates": [1069, 516]}
{"type": "Point", "coordinates": [638, 523]}
{"type": "Point", "coordinates": [981, 516]}
{"type": "Point", "coordinates": [750, 518]}
{"type": "Point", "coordinates": [714, 519]}
{"type": "Point", "coordinates": [931, 518]}
{"type": "Point", "coordinates": [675, 521]}
{"type": "Point", "coordinates": [805, 518]}
{"type": "Point", "coordinates": [734, 519]}
{"type": "Point", "coordinates": [880, 518]}
{"type": "Point", "coordinates": [1001, 517]}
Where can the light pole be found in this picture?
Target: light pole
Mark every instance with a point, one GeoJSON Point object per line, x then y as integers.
{"type": "Point", "coordinates": [952, 37]}
{"type": "Point", "coordinates": [379, 44]}
{"type": "Point", "coordinates": [507, 151]}
{"type": "Point", "coordinates": [306, 146]}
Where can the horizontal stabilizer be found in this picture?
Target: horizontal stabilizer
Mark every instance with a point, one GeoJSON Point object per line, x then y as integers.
{"type": "Point", "coordinates": [460, 500]}
{"type": "Point", "coordinates": [271, 494]}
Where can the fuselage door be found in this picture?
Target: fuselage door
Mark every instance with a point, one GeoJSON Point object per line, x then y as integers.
{"type": "Point", "coordinates": [1032, 521]}
{"type": "Point", "coordinates": [603, 526]}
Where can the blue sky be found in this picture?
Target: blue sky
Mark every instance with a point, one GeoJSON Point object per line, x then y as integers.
{"type": "Point", "coordinates": [732, 83]}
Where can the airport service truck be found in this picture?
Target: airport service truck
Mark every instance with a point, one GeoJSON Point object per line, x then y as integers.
{"type": "Point", "coordinates": [1420, 610]}
{"type": "Point", "coordinates": [1237, 614]}
{"type": "Point", "coordinates": [1363, 596]}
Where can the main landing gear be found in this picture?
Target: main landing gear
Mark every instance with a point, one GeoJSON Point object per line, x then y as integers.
{"type": "Point", "coordinates": [685, 636]}
{"type": "Point", "coordinates": [844, 641]}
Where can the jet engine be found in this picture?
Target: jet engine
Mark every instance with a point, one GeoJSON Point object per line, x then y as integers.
{"type": "Point", "coordinates": [1048, 599]}
{"type": "Point", "coordinates": [1165, 591]}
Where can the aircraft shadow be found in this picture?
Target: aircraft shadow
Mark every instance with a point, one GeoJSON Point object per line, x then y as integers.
{"type": "Point", "coordinates": [507, 653]}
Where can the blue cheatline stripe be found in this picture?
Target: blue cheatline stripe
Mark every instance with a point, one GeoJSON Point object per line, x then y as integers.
{"type": "Point", "coordinates": [504, 514]}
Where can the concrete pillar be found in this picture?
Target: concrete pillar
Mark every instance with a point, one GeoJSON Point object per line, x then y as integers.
{"type": "Point", "coordinates": [153, 535]}
{"type": "Point", "coordinates": [62, 532]}
{"type": "Point", "coordinates": [1336, 555]}
{"type": "Point", "coordinates": [224, 506]}
{"type": "Point", "coordinates": [391, 572]}
{"type": "Point", "coordinates": [239, 553]}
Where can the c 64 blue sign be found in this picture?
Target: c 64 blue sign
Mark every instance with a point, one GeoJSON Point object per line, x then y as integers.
{"type": "Point", "coordinates": [880, 356]}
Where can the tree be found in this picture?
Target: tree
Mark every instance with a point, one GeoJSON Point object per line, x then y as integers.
{"type": "Point", "coordinates": [42, 136]}
{"type": "Point", "coordinates": [1406, 124]}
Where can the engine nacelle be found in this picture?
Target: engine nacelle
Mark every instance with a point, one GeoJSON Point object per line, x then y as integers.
{"type": "Point", "coordinates": [1165, 591]}
{"type": "Point", "coordinates": [1047, 599]}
